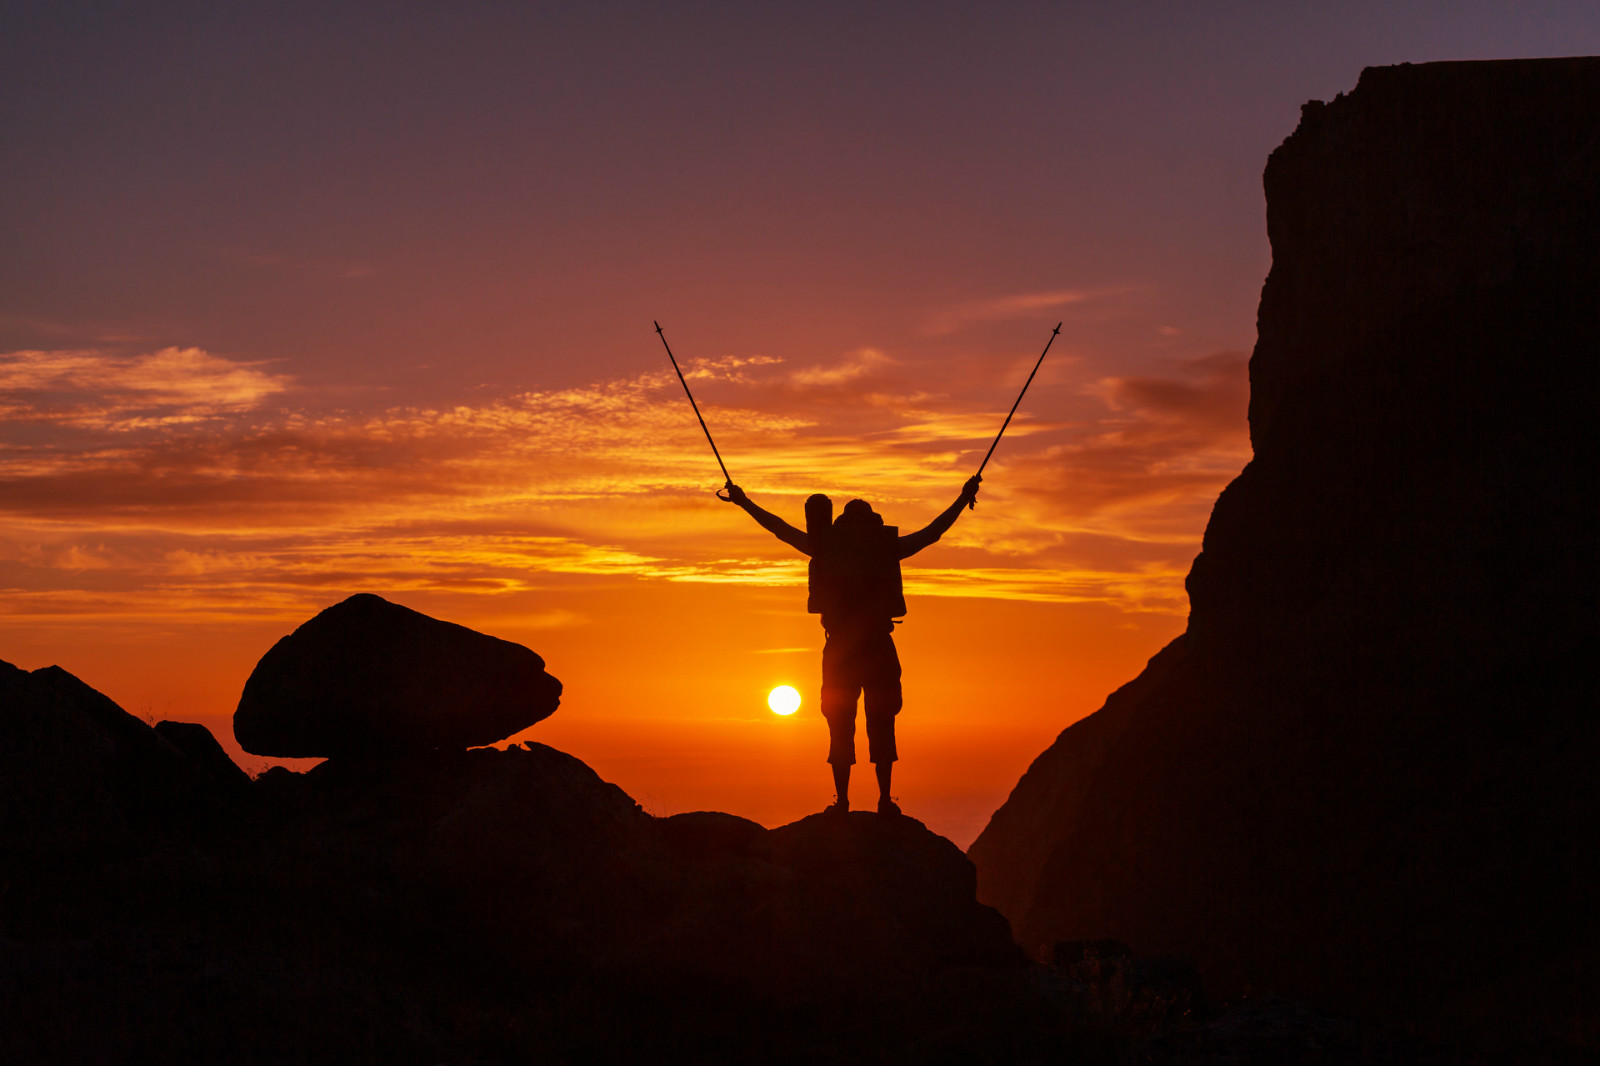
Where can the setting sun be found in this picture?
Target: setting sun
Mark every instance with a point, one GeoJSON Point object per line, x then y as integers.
{"type": "Point", "coordinates": [784, 699]}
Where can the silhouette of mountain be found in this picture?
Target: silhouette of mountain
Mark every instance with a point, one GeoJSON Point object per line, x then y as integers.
{"type": "Point", "coordinates": [1366, 774]}
{"type": "Point", "coordinates": [79, 776]}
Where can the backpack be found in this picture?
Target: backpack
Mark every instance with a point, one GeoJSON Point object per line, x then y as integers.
{"type": "Point", "coordinates": [849, 577]}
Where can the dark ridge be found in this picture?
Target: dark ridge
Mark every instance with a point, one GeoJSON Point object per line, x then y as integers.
{"type": "Point", "coordinates": [449, 904]}
{"type": "Point", "coordinates": [507, 906]}
{"type": "Point", "coordinates": [1366, 775]}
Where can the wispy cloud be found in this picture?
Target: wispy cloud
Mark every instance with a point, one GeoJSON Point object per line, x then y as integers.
{"type": "Point", "coordinates": [99, 390]}
{"type": "Point", "coordinates": [853, 367]}
{"type": "Point", "coordinates": [1014, 305]}
{"type": "Point", "coordinates": [132, 484]}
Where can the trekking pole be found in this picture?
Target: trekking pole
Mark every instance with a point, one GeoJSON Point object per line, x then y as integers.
{"type": "Point", "coordinates": [696, 407]}
{"type": "Point", "coordinates": [971, 504]}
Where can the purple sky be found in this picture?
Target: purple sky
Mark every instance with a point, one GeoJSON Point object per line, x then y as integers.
{"type": "Point", "coordinates": [426, 198]}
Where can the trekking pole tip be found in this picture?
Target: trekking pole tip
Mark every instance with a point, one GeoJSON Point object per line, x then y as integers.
{"type": "Point", "coordinates": [656, 324]}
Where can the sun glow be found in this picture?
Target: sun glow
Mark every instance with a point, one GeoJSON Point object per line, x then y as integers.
{"type": "Point", "coordinates": [784, 699]}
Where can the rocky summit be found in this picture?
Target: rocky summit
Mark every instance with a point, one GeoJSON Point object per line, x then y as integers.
{"type": "Point", "coordinates": [832, 905]}
{"type": "Point", "coordinates": [367, 677]}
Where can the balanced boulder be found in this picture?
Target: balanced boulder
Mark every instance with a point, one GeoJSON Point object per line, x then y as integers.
{"type": "Point", "coordinates": [369, 677]}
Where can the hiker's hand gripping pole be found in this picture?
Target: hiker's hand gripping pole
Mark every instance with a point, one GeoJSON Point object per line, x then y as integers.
{"type": "Point", "coordinates": [727, 481]}
{"type": "Point", "coordinates": [974, 503]}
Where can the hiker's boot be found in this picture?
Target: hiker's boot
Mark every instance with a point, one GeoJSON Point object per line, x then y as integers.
{"type": "Point", "coordinates": [888, 807]}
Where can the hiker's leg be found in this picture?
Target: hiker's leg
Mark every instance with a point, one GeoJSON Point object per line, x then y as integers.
{"type": "Point", "coordinates": [883, 699]}
{"type": "Point", "coordinates": [883, 705]}
{"type": "Point", "coordinates": [841, 745]}
{"type": "Point", "coordinates": [840, 691]}
{"type": "Point", "coordinates": [841, 783]}
{"type": "Point", "coordinates": [881, 749]}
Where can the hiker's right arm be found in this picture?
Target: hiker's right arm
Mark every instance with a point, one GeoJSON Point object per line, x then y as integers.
{"type": "Point", "coordinates": [770, 522]}
{"type": "Point", "coordinates": [912, 543]}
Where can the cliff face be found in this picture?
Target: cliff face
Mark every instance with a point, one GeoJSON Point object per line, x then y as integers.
{"type": "Point", "coordinates": [1367, 772]}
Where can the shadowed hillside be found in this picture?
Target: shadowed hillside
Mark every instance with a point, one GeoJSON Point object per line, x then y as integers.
{"type": "Point", "coordinates": [449, 905]}
{"type": "Point", "coordinates": [1367, 773]}
{"type": "Point", "coordinates": [453, 905]}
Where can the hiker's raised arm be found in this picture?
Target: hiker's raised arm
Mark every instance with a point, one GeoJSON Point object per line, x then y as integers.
{"type": "Point", "coordinates": [770, 522]}
{"type": "Point", "coordinates": [912, 543]}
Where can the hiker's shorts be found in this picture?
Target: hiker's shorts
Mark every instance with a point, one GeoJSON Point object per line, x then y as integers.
{"type": "Point", "coordinates": [862, 664]}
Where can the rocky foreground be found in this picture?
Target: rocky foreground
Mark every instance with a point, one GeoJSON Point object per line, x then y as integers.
{"type": "Point", "coordinates": [509, 906]}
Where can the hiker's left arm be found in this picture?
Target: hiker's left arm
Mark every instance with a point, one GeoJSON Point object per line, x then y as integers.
{"type": "Point", "coordinates": [912, 543]}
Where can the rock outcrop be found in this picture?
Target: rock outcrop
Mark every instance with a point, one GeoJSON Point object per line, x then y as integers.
{"type": "Point", "coordinates": [370, 677]}
{"type": "Point", "coordinates": [823, 907]}
{"type": "Point", "coordinates": [1367, 773]}
{"type": "Point", "coordinates": [526, 858]}
{"type": "Point", "coordinates": [445, 904]}
{"type": "Point", "coordinates": [488, 905]}
{"type": "Point", "coordinates": [883, 888]}
{"type": "Point", "coordinates": [81, 776]}
{"type": "Point", "coordinates": [206, 756]}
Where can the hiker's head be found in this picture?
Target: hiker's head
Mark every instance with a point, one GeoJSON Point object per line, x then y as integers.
{"type": "Point", "coordinates": [858, 516]}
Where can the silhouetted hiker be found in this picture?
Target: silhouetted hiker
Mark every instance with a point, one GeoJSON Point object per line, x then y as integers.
{"type": "Point", "coordinates": [855, 587]}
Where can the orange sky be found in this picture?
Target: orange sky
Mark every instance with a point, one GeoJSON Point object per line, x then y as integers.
{"type": "Point", "coordinates": [183, 513]}
{"type": "Point", "coordinates": [301, 302]}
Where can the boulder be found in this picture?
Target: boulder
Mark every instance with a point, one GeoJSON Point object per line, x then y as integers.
{"type": "Point", "coordinates": [206, 756]}
{"type": "Point", "coordinates": [370, 677]}
{"type": "Point", "coordinates": [823, 910]}
{"type": "Point", "coordinates": [1365, 775]}
{"type": "Point", "coordinates": [709, 835]}
{"type": "Point", "coordinates": [867, 891]}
